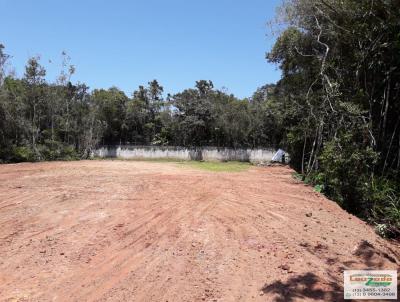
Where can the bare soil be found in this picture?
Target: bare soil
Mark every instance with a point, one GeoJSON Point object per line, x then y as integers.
{"type": "Point", "coordinates": [145, 231]}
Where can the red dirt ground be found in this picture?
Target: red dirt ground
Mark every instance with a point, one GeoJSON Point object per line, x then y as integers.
{"type": "Point", "coordinates": [142, 231]}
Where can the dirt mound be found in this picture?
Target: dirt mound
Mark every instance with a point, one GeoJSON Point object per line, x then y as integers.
{"type": "Point", "coordinates": [142, 231]}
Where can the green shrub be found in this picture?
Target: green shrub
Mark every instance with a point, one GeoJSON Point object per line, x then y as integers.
{"type": "Point", "coordinates": [346, 175]}
{"type": "Point", "coordinates": [56, 150]}
{"type": "Point", "coordinates": [23, 154]}
{"type": "Point", "coordinates": [346, 171]}
{"type": "Point", "coordinates": [384, 195]}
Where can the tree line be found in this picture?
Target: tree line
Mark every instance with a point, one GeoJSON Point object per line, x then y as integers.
{"type": "Point", "coordinates": [48, 121]}
{"type": "Point", "coordinates": [340, 62]}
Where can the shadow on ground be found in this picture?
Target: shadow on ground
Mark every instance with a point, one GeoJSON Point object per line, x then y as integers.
{"type": "Point", "coordinates": [309, 286]}
{"type": "Point", "coordinates": [304, 286]}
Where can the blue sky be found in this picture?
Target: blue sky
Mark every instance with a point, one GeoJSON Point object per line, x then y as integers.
{"type": "Point", "coordinates": [128, 43]}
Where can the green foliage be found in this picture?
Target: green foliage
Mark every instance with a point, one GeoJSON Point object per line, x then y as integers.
{"type": "Point", "coordinates": [340, 90]}
{"type": "Point", "coordinates": [230, 166]}
{"type": "Point", "coordinates": [319, 188]}
{"type": "Point", "coordinates": [22, 154]}
{"type": "Point", "coordinates": [61, 120]}
{"type": "Point", "coordinates": [347, 167]}
{"type": "Point", "coordinates": [55, 150]}
{"type": "Point", "coordinates": [384, 198]}
{"type": "Point", "coordinates": [42, 121]}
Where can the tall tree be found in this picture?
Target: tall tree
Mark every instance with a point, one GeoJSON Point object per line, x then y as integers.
{"type": "Point", "coordinates": [339, 81]}
{"type": "Point", "coordinates": [34, 78]}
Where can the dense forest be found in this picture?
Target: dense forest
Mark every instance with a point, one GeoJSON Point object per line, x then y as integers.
{"type": "Point", "coordinates": [340, 62]}
{"type": "Point", "coordinates": [45, 121]}
{"type": "Point", "coordinates": [336, 108]}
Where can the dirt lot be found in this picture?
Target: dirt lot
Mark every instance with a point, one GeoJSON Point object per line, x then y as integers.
{"type": "Point", "coordinates": [143, 231]}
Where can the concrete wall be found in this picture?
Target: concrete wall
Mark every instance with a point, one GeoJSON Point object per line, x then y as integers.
{"type": "Point", "coordinates": [181, 153]}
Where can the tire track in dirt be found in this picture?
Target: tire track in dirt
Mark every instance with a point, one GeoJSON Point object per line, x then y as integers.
{"type": "Point", "coordinates": [141, 231]}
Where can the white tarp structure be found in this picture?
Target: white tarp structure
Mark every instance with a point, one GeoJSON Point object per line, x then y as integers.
{"type": "Point", "coordinates": [279, 156]}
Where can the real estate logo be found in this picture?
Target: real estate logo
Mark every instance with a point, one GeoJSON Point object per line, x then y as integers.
{"type": "Point", "coordinates": [370, 284]}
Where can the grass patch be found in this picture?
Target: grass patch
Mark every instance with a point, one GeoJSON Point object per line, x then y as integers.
{"type": "Point", "coordinates": [231, 166]}
{"type": "Point", "coordinates": [214, 166]}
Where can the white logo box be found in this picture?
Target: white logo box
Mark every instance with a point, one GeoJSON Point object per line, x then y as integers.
{"type": "Point", "coordinates": [370, 284]}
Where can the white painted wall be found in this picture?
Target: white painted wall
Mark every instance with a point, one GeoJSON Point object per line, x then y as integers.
{"type": "Point", "coordinates": [181, 153]}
